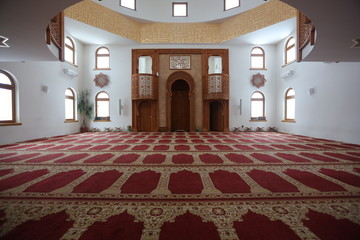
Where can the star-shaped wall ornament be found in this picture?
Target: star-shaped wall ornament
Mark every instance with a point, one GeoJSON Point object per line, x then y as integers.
{"type": "Point", "coordinates": [101, 80]}
{"type": "Point", "coordinates": [3, 41]}
{"type": "Point", "coordinates": [258, 80]}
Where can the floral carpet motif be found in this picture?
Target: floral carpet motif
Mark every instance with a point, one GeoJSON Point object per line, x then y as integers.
{"type": "Point", "coordinates": [149, 186]}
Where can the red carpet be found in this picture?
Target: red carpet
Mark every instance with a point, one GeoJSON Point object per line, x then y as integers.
{"type": "Point", "coordinates": [153, 186]}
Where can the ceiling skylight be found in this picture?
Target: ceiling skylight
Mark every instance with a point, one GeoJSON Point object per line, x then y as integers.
{"type": "Point", "coordinates": [180, 9]}
{"type": "Point", "coordinates": [131, 4]}
{"type": "Point", "coordinates": [230, 4]}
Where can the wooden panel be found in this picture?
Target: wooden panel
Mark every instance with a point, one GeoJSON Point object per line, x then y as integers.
{"type": "Point", "coordinates": [216, 117]}
{"type": "Point", "coordinates": [145, 117]}
{"type": "Point", "coordinates": [180, 106]}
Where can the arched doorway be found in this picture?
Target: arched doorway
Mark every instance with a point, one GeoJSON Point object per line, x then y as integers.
{"type": "Point", "coordinates": [144, 116]}
{"type": "Point", "coordinates": [180, 106]}
{"type": "Point", "coordinates": [216, 121]}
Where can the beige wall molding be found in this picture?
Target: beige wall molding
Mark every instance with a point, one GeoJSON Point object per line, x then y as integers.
{"type": "Point", "coordinates": [106, 19]}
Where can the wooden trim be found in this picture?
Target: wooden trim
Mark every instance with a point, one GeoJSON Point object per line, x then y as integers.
{"type": "Point", "coordinates": [9, 124]}
{"type": "Point", "coordinates": [257, 120]}
{"type": "Point", "coordinates": [72, 48]}
{"type": "Point", "coordinates": [70, 121]}
{"type": "Point", "coordinates": [96, 105]}
{"type": "Point", "coordinates": [101, 55]}
{"type": "Point", "coordinates": [101, 120]}
{"type": "Point", "coordinates": [12, 88]}
{"type": "Point", "coordinates": [180, 3]}
{"type": "Point", "coordinates": [258, 100]}
{"type": "Point", "coordinates": [289, 121]}
{"type": "Point", "coordinates": [73, 99]}
{"type": "Point", "coordinates": [257, 55]}
{"type": "Point", "coordinates": [288, 48]}
{"type": "Point", "coordinates": [286, 102]}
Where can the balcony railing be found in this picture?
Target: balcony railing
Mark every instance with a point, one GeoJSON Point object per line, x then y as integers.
{"type": "Point", "coordinates": [216, 87]}
{"type": "Point", "coordinates": [144, 86]}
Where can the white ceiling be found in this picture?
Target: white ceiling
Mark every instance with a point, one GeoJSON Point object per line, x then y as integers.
{"type": "Point", "coordinates": [269, 35]}
{"type": "Point", "coordinates": [198, 10]}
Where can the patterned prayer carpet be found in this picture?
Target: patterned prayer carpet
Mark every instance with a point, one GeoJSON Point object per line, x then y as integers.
{"type": "Point", "coordinates": [180, 186]}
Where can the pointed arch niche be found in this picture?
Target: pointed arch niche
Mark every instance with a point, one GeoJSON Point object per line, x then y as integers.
{"type": "Point", "coordinates": [180, 102]}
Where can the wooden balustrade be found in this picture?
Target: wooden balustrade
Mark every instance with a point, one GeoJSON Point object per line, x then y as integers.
{"type": "Point", "coordinates": [144, 87]}
{"type": "Point", "coordinates": [306, 34]}
{"type": "Point", "coordinates": [216, 86]}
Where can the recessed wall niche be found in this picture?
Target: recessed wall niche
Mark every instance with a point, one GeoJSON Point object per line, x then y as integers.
{"type": "Point", "coordinates": [208, 110]}
{"type": "Point", "coordinates": [145, 65]}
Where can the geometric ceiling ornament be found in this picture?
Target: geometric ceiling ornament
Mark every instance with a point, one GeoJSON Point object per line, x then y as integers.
{"type": "Point", "coordinates": [3, 41]}
{"type": "Point", "coordinates": [101, 80]}
{"type": "Point", "coordinates": [258, 80]}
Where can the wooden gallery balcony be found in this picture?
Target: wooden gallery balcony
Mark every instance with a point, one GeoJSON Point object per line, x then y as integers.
{"type": "Point", "coordinates": [216, 86]}
{"type": "Point", "coordinates": [144, 87]}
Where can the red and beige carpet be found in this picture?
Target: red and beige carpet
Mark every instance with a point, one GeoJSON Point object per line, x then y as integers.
{"type": "Point", "coordinates": [180, 186]}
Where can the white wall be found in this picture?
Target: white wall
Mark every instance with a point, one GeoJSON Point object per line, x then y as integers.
{"type": "Point", "coordinates": [241, 87]}
{"type": "Point", "coordinates": [119, 86]}
{"type": "Point", "coordinates": [41, 114]}
{"type": "Point", "coordinates": [333, 111]}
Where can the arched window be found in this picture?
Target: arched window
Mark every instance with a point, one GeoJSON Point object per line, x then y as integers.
{"type": "Point", "coordinates": [102, 103]}
{"type": "Point", "coordinates": [69, 105]}
{"type": "Point", "coordinates": [258, 106]}
{"type": "Point", "coordinates": [290, 105]}
{"type": "Point", "coordinates": [7, 98]}
{"type": "Point", "coordinates": [69, 51]}
{"type": "Point", "coordinates": [257, 58]}
{"type": "Point", "coordinates": [290, 51]}
{"type": "Point", "coordinates": [102, 58]}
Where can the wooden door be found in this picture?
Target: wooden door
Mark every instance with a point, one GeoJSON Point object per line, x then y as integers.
{"type": "Point", "coordinates": [145, 117]}
{"type": "Point", "coordinates": [216, 117]}
{"type": "Point", "coordinates": [180, 106]}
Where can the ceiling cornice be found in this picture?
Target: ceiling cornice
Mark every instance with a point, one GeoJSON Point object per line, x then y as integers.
{"type": "Point", "coordinates": [106, 19]}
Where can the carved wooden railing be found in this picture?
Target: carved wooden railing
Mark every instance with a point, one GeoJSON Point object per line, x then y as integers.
{"type": "Point", "coordinates": [306, 33]}
{"type": "Point", "coordinates": [55, 33]}
{"type": "Point", "coordinates": [216, 87]}
{"type": "Point", "coordinates": [144, 86]}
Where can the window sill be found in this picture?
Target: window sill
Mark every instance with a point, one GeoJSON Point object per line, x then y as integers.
{"type": "Point", "coordinates": [257, 120]}
{"type": "Point", "coordinates": [102, 69]}
{"type": "Point", "coordinates": [287, 64]}
{"type": "Point", "coordinates": [72, 64]}
{"type": "Point", "coordinates": [70, 121]}
{"type": "Point", "coordinates": [258, 69]}
{"type": "Point", "coordinates": [289, 121]}
{"type": "Point", "coordinates": [102, 121]}
{"type": "Point", "coordinates": [9, 124]}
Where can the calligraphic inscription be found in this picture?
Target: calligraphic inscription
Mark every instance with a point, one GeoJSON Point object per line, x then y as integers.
{"type": "Point", "coordinates": [179, 62]}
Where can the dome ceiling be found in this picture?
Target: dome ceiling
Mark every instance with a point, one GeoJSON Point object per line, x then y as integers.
{"type": "Point", "coordinates": [198, 10]}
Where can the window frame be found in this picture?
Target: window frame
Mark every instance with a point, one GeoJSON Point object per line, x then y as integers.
{"type": "Point", "coordinates": [286, 119]}
{"type": "Point", "coordinates": [287, 49]}
{"type": "Point", "coordinates": [134, 9]}
{"type": "Point", "coordinates": [11, 87]}
{"type": "Point", "coordinates": [257, 55]}
{"type": "Point", "coordinates": [180, 3]}
{"type": "Point", "coordinates": [97, 118]}
{"type": "Point", "coordinates": [252, 99]}
{"type": "Point", "coordinates": [72, 48]}
{"type": "Point", "coordinates": [101, 55]}
{"type": "Point", "coordinates": [74, 109]}
{"type": "Point", "coordinates": [232, 7]}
